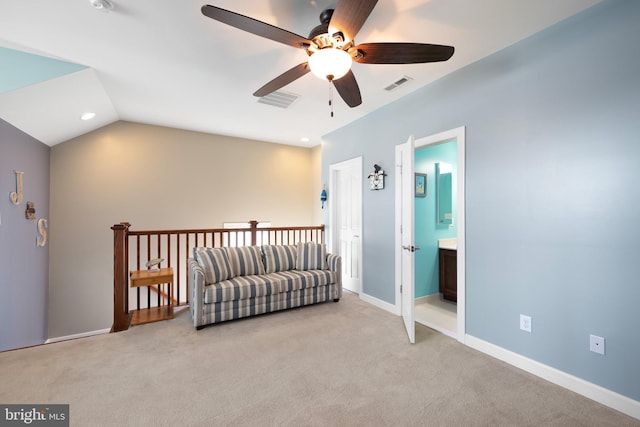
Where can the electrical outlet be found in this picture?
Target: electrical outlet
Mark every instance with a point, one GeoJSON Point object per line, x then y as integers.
{"type": "Point", "coordinates": [525, 323]}
{"type": "Point", "coordinates": [596, 344]}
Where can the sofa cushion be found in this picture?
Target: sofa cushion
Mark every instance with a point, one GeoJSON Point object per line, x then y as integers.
{"type": "Point", "coordinates": [240, 287]}
{"type": "Point", "coordinates": [245, 261]}
{"type": "Point", "coordinates": [311, 256]}
{"type": "Point", "coordinates": [215, 263]}
{"type": "Point", "coordinates": [243, 287]}
{"type": "Point", "coordinates": [295, 280]}
{"type": "Point", "coordinates": [279, 257]}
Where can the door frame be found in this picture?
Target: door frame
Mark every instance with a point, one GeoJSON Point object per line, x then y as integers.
{"type": "Point", "coordinates": [457, 134]}
{"type": "Point", "coordinates": [334, 237]}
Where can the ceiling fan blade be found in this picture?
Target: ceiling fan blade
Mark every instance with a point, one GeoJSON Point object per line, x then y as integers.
{"type": "Point", "coordinates": [254, 26]}
{"type": "Point", "coordinates": [402, 53]}
{"type": "Point", "coordinates": [283, 79]}
{"type": "Point", "coordinates": [349, 16]}
{"type": "Point", "coordinates": [347, 87]}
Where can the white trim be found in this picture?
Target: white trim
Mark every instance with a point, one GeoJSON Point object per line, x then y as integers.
{"type": "Point", "coordinates": [391, 308]}
{"type": "Point", "coordinates": [457, 134]}
{"type": "Point", "coordinates": [333, 240]}
{"type": "Point", "coordinates": [75, 336]}
{"type": "Point", "coordinates": [592, 391]}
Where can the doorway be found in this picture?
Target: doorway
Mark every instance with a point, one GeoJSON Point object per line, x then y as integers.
{"type": "Point", "coordinates": [345, 217]}
{"type": "Point", "coordinates": [433, 304]}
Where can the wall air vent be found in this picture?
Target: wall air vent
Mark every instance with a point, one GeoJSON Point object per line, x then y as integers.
{"type": "Point", "coordinates": [279, 99]}
{"type": "Point", "coordinates": [399, 82]}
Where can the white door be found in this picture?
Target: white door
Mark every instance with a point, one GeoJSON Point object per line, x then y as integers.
{"type": "Point", "coordinates": [346, 220]}
{"type": "Point", "coordinates": [405, 217]}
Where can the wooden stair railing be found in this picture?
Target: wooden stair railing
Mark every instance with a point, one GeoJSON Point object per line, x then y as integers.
{"type": "Point", "coordinates": [132, 249]}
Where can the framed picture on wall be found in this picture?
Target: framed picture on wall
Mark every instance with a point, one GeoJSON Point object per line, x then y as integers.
{"type": "Point", "coordinates": [421, 185]}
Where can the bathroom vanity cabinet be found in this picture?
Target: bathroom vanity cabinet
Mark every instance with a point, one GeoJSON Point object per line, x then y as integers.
{"type": "Point", "coordinates": [447, 262]}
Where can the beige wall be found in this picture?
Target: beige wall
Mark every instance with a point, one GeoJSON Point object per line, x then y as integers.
{"type": "Point", "coordinates": [158, 178]}
{"type": "Point", "coordinates": [316, 182]}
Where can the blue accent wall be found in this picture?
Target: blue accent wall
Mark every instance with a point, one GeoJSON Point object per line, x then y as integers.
{"type": "Point", "coordinates": [427, 228]}
{"type": "Point", "coordinates": [24, 266]}
{"type": "Point", "coordinates": [19, 69]}
{"type": "Point", "coordinates": [552, 158]}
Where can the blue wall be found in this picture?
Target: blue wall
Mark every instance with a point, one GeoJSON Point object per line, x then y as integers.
{"type": "Point", "coordinates": [552, 170]}
{"type": "Point", "coordinates": [427, 229]}
{"type": "Point", "coordinates": [24, 266]}
{"type": "Point", "coordinates": [19, 69]}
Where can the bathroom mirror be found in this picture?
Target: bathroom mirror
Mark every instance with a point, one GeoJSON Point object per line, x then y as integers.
{"type": "Point", "coordinates": [444, 195]}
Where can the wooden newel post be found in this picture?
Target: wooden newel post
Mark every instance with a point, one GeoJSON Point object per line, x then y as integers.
{"type": "Point", "coordinates": [121, 316]}
{"type": "Point", "coordinates": [253, 226]}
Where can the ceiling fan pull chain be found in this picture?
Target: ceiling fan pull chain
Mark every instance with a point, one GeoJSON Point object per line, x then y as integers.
{"type": "Point", "coordinates": [331, 97]}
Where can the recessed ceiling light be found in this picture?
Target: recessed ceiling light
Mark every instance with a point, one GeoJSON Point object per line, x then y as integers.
{"type": "Point", "coordinates": [87, 116]}
{"type": "Point", "coordinates": [304, 139]}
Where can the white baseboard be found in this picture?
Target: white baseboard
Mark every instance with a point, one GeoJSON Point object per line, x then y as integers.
{"type": "Point", "coordinates": [592, 391]}
{"type": "Point", "coordinates": [391, 308]}
{"type": "Point", "coordinates": [73, 337]}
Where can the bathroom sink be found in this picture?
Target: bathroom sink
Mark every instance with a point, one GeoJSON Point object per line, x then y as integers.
{"type": "Point", "coordinates": [451, 243]}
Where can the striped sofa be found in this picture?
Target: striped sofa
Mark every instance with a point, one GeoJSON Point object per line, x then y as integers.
{"type": "Point", "coordinates": [231, 283]}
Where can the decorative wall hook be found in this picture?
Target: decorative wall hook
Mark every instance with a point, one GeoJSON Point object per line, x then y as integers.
{"type": "Point", "coordinates": [30, 211]}
{"type": "Point", "coordinates": [41, 239]}
{"type": "Point", "coordinates": [376, 178]}
{"type": "Point", "coordinates": [16, 196]}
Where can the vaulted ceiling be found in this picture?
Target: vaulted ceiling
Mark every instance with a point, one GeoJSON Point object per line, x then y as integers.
{"type": "Point", "coordinates": [164, 63]}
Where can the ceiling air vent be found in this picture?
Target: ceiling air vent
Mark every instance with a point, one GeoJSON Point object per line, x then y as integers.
{"type": "Point", "coordinates": [399, 82]}
{"type": "Point", "coordinates": [279, 99]}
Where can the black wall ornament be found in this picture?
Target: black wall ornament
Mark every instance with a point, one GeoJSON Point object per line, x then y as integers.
{"type": "Point", "coordinates": [376, 178]}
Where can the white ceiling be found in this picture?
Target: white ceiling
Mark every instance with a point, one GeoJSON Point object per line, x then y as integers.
{"type": "Point", "coordinates": [162, 62]}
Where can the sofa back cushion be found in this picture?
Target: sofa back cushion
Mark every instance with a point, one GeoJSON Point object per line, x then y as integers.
{"type": "Point", "coordinates": [311, 256]}
{"type": "Point", "coordinates": [245, 261]}
{"type": "Point", "coordinates": [279, 257]}
{"type": "Point", "coordinates": [215, 263]}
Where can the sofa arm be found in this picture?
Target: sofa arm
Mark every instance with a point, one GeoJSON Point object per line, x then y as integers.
{"type": "Point", "coordinates": [335, 264]}
{"type": "Point", "coordinates": [196, 284]}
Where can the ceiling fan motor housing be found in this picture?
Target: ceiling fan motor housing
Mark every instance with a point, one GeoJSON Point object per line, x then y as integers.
{"type": "Point", "coordinates": [323, 28]}
{"type": "Point", "coordinates": [320, 34]}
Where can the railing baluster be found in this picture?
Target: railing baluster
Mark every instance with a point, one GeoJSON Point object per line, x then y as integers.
{"type": "Point", "coordinates": [159, 292]}
{"type": "Point", "coordinates": [137, 268]}
{"type": "Point", "coordinates": [169, 264]}
{"type": "Point", "coordinates": [148, 257]}
{"type": "Point", "coordinates": [179, 277]}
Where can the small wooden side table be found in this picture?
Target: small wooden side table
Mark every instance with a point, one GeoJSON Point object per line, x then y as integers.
{"type": "Point", "coordinates": [151, 278]}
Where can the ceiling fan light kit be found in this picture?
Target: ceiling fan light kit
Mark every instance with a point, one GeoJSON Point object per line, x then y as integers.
{"type": "Point", "coordinates": [331, 47]}
{"type": "Point", "coordinates": [330, 63]}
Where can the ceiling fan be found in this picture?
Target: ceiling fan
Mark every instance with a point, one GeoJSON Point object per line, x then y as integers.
{"type": "Point", "coordinates": [331, 47]}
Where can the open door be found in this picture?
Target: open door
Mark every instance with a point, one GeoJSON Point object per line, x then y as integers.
{"type": "Point", "coordinates": [405, 220]}
{"type": "Point", "coordinates": [346, 220]}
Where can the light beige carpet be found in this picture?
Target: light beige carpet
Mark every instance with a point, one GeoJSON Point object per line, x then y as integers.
{"type": "Point", "coordinates": [344, 364]}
